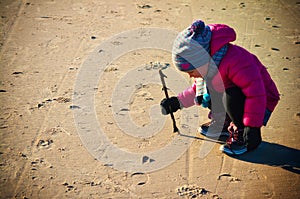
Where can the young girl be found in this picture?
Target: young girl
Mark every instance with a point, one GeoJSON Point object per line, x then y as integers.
{"type": "Point", "coordinates": [230, 81]}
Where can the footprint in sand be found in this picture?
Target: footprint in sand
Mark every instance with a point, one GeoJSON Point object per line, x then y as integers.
{"type": "Point", "coordinates": [228, 177]}
{"type": "Point", "coordinates": [44, 143]}
{"type": "Point", "coordinates": [139, 179]}
{"type": "Point", "coordinates": [69, 187]}
{"type": "Point", "coordinates": [194, 191]}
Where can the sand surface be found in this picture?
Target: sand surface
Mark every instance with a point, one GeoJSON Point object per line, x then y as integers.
{"type": "Point", "coordinates": [46, 45]}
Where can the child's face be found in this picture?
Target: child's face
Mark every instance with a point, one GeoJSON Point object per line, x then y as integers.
{"type": "Point", "coordinates": [199, 72]}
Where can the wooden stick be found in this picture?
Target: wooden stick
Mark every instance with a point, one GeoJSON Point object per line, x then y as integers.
{"type": "Point", "coordinates": [162, 76]}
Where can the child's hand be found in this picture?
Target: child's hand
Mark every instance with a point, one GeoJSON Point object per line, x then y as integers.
{"type": "Point", "coordinates": [232, 127]}
{"type": "Point", "coordinates": [198, 100]}
{"type": "Point", "coordinates": [203, 100]}
{"type": "Point", "coordinates": [169, 105]}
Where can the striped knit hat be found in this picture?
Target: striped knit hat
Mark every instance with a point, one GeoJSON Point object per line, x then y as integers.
{"type": "Point", "coordinates": [192, 46]}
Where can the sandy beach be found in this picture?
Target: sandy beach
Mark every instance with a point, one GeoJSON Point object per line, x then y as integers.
{"type": "Point", "coordinates": [80, 89]}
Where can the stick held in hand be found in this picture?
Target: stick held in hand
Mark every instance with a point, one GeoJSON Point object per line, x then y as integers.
{"type": "Point", "coordinates": [162, 76]}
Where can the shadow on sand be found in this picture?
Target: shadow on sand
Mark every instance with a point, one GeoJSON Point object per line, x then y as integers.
{"type": "Point", "coordinates": [271, 154]}
{"type": "Point", "coordinates": [274, 155]}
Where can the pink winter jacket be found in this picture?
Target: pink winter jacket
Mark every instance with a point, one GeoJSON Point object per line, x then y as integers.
{"type": "Point", "coordinates": [239, 68]}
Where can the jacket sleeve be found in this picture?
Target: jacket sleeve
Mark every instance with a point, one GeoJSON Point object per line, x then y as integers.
{"type": "Point", "coordinates": [248, 78]}
{"type": "Point", "coordinates": [271, 89]}
{"type": "Point", "coordinates": [187, 97]}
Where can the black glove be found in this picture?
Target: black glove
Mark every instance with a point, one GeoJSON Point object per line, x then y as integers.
{"type": "Point", "coordinates": [169, 105]}
{"type": "Point", "coordinates": [252, 137]}
{"type": "Point", "coordinates": [198, 100]}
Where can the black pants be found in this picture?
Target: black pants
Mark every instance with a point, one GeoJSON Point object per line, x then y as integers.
{"type": "Point", "coordinates": [234, 103]}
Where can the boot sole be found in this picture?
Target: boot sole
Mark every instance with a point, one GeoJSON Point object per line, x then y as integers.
{"type": "Point", "coordinates": [229, 151]}
{"type": "Point", "coordinates": [204, 132]}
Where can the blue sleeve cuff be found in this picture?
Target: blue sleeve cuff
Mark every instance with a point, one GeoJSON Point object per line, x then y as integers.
{"type": "Point", "coordinates": [267, 117]}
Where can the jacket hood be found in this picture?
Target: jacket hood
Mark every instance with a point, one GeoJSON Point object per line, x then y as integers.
{"type": "Point", "coordinates": [221, 35]}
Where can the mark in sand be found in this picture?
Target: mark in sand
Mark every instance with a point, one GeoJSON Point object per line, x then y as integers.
{"type": "Point", "coordinates": [146, 159]}
{"type": "Point", "coordinates": [228, 177]}
{"type": "Point", "coordinates": [139, 178]}
{"type": "Point", "coordinates": [194, 191]}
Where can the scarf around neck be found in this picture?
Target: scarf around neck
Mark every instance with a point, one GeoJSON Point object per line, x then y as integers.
{"type": "Point", "coordinates": [201, 88]}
